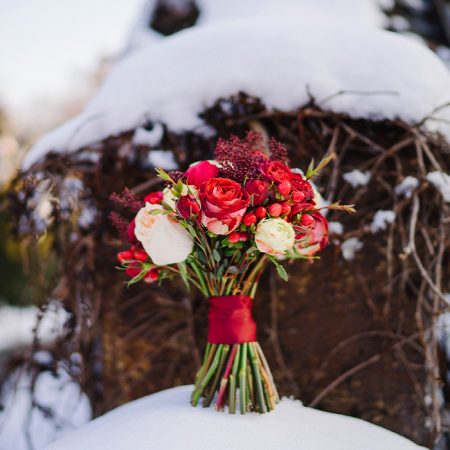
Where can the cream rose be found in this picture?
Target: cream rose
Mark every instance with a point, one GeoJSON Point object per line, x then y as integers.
{"type": "Point", "coordinates": [274, 236]}
{"type": "Point", "coordinates": [165, 240]}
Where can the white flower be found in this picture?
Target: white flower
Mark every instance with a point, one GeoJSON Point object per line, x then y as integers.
{"type": "Point", "coordinates": [165, 240]}
{"type": "Point", "coordinates": [274, 236]}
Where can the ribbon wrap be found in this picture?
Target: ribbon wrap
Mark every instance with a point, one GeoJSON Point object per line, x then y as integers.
{"type": "Point", "coordinates": [230, 320]}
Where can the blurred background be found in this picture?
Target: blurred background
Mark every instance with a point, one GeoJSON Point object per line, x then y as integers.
{"type": "Point", "coordinates": [53, 56]}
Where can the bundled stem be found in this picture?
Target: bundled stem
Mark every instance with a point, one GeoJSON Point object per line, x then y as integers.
{"type": "Point", "coordinates": [243, 374]}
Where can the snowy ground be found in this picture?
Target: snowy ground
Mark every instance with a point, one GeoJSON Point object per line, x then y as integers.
{"type": "Point", "coordinates": [166, 421]}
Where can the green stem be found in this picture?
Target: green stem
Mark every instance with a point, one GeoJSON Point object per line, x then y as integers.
{"type": "Point", "coordinates": [258, 383]}
{"type": "Point", "coordinates": [243, 378]}
{"type": "Point", "coordinates": [223, 357]}
{"type": "Point", "coordinates": [203, 287]}
{"type": "Point", "coordinates": [232, 390]}
{"type": "Point", "coordinates": [204, 382]}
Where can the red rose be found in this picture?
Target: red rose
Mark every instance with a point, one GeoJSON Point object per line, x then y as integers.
{"type": "Point", "coordinates": [314, 237]}
{"type": "Point", "coordinates": [200, 173]}
{"type": "Point", "coordinates": [187, 205]}
{"type": "Point", "coordinates": [224, 203]}
{"type": "Point", "coordinates": [155, 198]}
{"type": "Point", "coordinates": [299, 184]}
{"type": "Point", "coordinates": [130, 233]}
{"type": "Point", "coordinates": [277, 171]}
{"type": "Point", "coordinates": [258, 191]}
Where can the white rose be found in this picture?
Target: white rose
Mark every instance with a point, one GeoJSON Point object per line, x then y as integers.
{"type": "Point", "coordinates": [274, 236]}
{"type": "Point", "coordinates": [165, 240]}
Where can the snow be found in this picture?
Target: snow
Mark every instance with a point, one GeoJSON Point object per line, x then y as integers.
{"type": "Point", "coordinates": [441, 181]}
{"type": "Point", "coordinates": [167, 421]}
{"type": "Point", "coordinates": [357, 178]}
{"type": "Point", "coordinates": [279, 57]}
{"type": "Point", "coordinates": [70, 406]}
{"type": "Point", "coordinates": [335, 227]}
{"type": "Point", "coordinates": [367, 13]}
{"type": "Point", "coordinates": [349, 247]}
{"type": "Point", "coordinates": [381, 220]}
{"type": "Point", "coordinates": [148, 137]}
{"type": "Point", "coordinates": [407, 186]}
{"type": "Point", "coordinates": [17, 324]}
{"type": "Point", "coordinates": [162, 159]}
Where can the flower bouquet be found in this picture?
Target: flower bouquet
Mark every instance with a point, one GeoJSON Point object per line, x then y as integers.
{"type": "Point", "coordinates": [216, 226]}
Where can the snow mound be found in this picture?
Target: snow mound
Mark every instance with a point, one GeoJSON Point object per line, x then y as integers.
{"type": "Point", "coordinates": [366, 73]}
{"type": "Point", "coordinates": [166, 421]}
{"type": "Point", "coordinates": [367, 13]}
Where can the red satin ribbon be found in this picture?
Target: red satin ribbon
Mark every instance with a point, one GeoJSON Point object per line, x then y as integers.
{"type": "Point", "coordinates": [230, 320]}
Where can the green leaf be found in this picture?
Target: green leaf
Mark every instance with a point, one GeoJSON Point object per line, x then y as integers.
{"type": "Point", "coordinates": [184, 274]}
{"type": "Point", "coordinates": [155, 212]}
{"type": "Point", "coordinates": [163, 174]}
{"type": "Point", "coordinates": [216, 255]}
{"type": "Point", "coordinates": [282, 272]}
{"type": "Point", "coordinates": [191, 229]}
{"type": "Point", "coordinates": [310, 169]}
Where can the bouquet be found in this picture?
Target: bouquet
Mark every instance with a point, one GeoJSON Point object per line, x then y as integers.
{"type": "Point", "coordinates": [216, 226]}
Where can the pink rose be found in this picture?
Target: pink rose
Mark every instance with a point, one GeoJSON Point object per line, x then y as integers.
{"type": "Point", "coordinates": [224, 203]}
{"type": "Point", "coordinates": [312, 238]}
{"type": "Point", "coordinates": [200, 173]}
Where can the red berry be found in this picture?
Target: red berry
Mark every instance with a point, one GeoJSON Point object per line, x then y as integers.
{"type": "Point", "coordinates": [140, 255]}
{"type": "Point", "coordinates": [275, 209]}
{"type": "Point", "coordinates": [127, 255]}
{"type": "Point", "coordinates": [284, 187]}
{"type": "Point", "coordinates": [234, 237]}
{"type": "Point", "coordinates": [306, 220]}
{"type": "Point", "coordinates": [243, 236]}
{"type": "Point", "coordinates": [250, 219]}
{"type": "Point", "coordinates": [260, 212]}
{"type": "Point", "coordinates": [285, 209]}
{"type": "Point", "coordinates": [298, 196]}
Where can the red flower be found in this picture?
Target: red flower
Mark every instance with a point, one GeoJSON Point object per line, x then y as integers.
{"type": "Point", "coordinates": [130, 233]}
{"type": "Point", "coordinates": [258, 191]}
{"type": "Point", "coordinates": [187, 205]}
{"type": "Point", "coordinates": [314, 237]}
{"type": "Point", "coordinates": [133, 270]}
{"type": "Point", "coordinates": [200, 173]}
{"type": "Point", "coordinates": [299, 184]}
{"type": "Point", "coordinates": [155, 198]}
{"type": "Point", "coordinates": [152, 275]}
{"type": "Point", "coordinates": [277, 171]}
{"type": "Point", "coordinates": [224, 203]}
{"type": "Point", "coordinates": [126, 255]}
